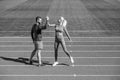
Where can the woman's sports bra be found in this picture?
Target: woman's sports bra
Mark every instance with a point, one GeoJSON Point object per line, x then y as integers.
{"type": "Point", "coordinates": [59, 28]}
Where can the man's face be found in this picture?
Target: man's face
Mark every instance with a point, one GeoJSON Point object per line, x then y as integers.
{"type": "Point", "coordinates": [39, 20]}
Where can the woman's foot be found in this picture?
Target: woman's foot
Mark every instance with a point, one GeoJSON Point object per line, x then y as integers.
{"type": "Point", "coordinates": [72, 60]}
{"type": "Point", "coordinates": [55, 63]}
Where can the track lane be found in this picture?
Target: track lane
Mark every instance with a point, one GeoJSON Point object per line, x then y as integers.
{"type": "Point", "coordinates": [62, 54]}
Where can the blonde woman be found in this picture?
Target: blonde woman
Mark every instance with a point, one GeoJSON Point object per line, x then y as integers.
{"type": "Point", "coordinates": [59, 38]}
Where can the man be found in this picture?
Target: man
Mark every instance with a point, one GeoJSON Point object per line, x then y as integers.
{"type": "Point", "coordinates": [36, 34]}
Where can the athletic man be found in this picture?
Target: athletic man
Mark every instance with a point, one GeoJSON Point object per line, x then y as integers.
{"type": "Point", "coordinates": [36, 34]}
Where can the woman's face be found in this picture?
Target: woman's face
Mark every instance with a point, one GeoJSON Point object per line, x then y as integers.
{"type": "Point", "coordinates": [59, 21]}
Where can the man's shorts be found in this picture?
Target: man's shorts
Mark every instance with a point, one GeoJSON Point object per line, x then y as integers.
{"type": "Point", "coordinates": [38, 44]}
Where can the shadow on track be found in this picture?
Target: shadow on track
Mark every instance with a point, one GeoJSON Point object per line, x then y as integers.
{"type": "Point", "coordinates": [26, 61]}
{"type": "Point", "coordinates": [13, 59]}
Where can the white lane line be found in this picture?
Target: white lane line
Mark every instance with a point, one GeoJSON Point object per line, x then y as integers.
{"type": "Point", "coordinates": [81, 51]}
{"type": "Point", "coordinates": [65, 41]}
{"type": "Point", "coordinates": [60, 75]}
{"type": "Point", "coordinates": [46, 75]}
{"type": "Point", "coordinates": [77, 57]}
{"type": "Point", "coordinates": [98, 75]}
{"type": "Point", "coordinates": [73, 31]}
{"type": "Point", "coordinates": [54, 37]}
{"type": "Point", "coordinates": [66, 45]}
{"type": "Point", "coordinates": [63, 65]}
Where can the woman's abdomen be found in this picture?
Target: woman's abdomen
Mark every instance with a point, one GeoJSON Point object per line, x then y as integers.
{"type": "Point", "coordinates": [59, 36]}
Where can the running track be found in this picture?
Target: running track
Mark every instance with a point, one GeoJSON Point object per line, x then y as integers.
{"type": "Point", "coordinates": [93, 26]}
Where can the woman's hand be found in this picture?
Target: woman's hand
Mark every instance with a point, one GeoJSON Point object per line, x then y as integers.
{"type": "Point", "coordinates": [70, 40]}
{"type": "Point", "coordinates": [47, 18]}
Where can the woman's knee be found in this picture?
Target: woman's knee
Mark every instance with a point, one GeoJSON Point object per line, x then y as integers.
{"type": "Point", "coordinates": [66, 51]}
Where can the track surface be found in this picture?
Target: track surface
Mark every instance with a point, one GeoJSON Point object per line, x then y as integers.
{"type": "Point", "coordinates": [93, 26]}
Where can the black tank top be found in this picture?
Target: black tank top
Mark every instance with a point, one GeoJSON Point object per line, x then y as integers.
{"type": "Point", "coordinates": [36, 32]}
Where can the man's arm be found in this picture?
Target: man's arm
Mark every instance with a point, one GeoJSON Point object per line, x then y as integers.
{"type": "Point", "coordinates": [32, 33]}
{"type": "Point", "coordinates": [45, 25]}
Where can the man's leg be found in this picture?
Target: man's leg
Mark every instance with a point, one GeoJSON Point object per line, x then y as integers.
{"type": "Point", "coordinates": [39, 57]}
{"type": "Point", "coordinates": [39, 50]}
{"type": "Point", "coordinates": [32, 55]}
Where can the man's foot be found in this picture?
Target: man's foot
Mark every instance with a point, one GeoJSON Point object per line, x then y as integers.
{"type": "Point", "coordinates": [55, 63]}
{"type": "Point", "coordinates": [40, 65]}
{"type": "Point", "coordinates": [30, 62]}
{"type": "Point", "coordinates": [72, 60]}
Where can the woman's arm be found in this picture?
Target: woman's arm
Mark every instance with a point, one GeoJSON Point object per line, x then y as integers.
{"type": "Point", "coordinates": [65, 29]}
{"type": "Point", "coordinates": [51, 25]}
{"type": "Point", "coordinates": [66, 32]}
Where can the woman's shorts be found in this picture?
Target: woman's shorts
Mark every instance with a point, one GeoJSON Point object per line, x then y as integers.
{"type": "Point", "coordinates": [38, 44]}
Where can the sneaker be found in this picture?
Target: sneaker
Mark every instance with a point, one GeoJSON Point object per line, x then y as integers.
{"type": "Point", "coordinates": [72, 60]}
{"type": "Point", "coordinates": [55, 63]}
{"type": "Point", "coordinates": [40, 65]}
{"type": "Point", "coordinates": [30, 62]}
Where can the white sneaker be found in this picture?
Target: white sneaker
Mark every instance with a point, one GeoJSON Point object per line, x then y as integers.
{"type": "Point", "coordinates": [72, 60]}
{"type": "Point", "coordinates": [55, 63]}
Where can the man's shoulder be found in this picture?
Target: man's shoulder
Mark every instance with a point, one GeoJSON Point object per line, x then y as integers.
{"type": "Point", "coordinates": [34, 24]}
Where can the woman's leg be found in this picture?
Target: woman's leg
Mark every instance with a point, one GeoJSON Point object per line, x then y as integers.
{"type": "Point", "coordinates": [56, 45]}
{"type": "Point", "coordinates": [66, 51]}
{"type": "Point", "coordinates": [64, 48]}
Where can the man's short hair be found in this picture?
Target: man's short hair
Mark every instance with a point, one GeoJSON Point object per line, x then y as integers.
{"type": "Point", "coordinates": [38, 18]}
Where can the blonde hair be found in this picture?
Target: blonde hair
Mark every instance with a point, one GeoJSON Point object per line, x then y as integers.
{"type": "Point", "coordinates": [62, 21]}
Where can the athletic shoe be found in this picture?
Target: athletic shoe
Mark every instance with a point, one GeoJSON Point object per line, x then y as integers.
{"type": "Point", "coordinates": [30, 62]}
{"type": "Point", "coordinates": [55, 63]}
{"type": "Point", "coordinates": [40, 65]}
{"type": "Point", "coordinates": [72, 60]}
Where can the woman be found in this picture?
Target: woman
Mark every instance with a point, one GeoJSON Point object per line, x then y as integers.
{"type": "Point", "coordinates": [59, 38]}
{"type": "Point", "coordinates": [36, 34]}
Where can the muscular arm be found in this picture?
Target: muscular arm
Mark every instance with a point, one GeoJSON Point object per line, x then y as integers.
{"type": "Point", "coordinates": [46, 25]}
{"type": "Point", "coordinates": [32, 33]}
